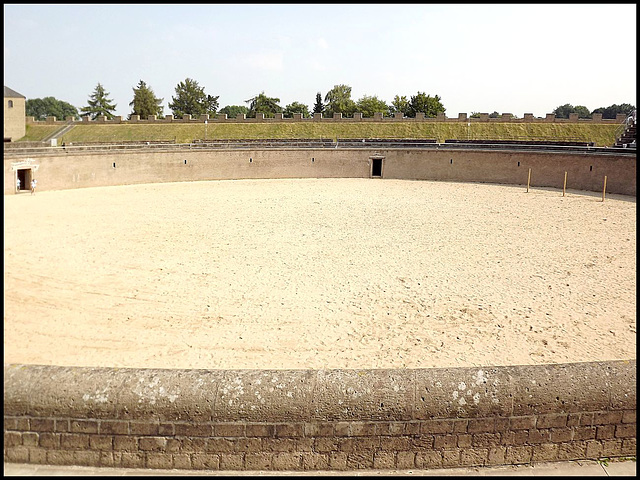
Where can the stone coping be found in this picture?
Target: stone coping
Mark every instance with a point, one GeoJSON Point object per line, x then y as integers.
{"type": "Point", "coordinates": [318, 395]}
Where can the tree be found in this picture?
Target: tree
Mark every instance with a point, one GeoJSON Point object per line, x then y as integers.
{"type": "Point", "coordinates": [582, 111]}
{"type": "Point", "coordinates": [563, 111]}
{"type": "Point", "coordinates": [263, 104]}
{"type": "Point", "coordinates": [41, 108]}
{"type": "Point", "coordinates": [421, 102]}
{"type": "Point", "coordinates": [232, 111]}
{"type": "Point", "coordinates": [368, 105]}
{"type": "Point", "coordinates": [145, 102]}
{"type": "Point", "coordinates": [296, 107]}
{"type": "Point", "coordinates": [191, 100]}
{"type": "Point", "coordinates": [319, 106]}
{"type": "Point", "coordinates": [400, 105]}
{"type": "Point", "coordinates": [338, 100]}
{"type": "Point", "coordinates": [99, 104]}
{"type": "Point", "coordinates": [612, 110]}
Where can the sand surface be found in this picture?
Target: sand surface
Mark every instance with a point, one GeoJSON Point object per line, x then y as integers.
{"type": "Point", "coordinates": [313, 273]}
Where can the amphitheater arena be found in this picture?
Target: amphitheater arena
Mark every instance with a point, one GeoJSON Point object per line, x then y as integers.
{"type": "Point", "coordinates": [319, 309]}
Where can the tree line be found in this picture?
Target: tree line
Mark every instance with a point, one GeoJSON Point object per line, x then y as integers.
{"type": "Point", "coordinates": [191, 99]}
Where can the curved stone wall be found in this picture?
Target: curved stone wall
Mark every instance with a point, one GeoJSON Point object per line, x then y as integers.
{"type": "Point", "coordinates": [62, 169]}
{"type": "Point", "coordinates": [319, 419]}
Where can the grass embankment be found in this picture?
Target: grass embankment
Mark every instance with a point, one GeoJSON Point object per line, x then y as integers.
{"type": "Point", "coordinates": [601, 134]}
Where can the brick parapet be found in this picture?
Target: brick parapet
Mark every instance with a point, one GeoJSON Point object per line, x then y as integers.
{"type": "Point", "coordinates": [357, 118]}
{"type": "Point", "coordinates": [318, 420]}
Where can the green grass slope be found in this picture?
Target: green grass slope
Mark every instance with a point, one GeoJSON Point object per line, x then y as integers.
{"type": "Point", "coordinates": [601, 134]}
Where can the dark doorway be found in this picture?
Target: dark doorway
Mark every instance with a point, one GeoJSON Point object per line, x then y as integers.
{"type": "Point", "coordinates": [24, 175]}
{"type": "Point", "coordinates": [376, 167]}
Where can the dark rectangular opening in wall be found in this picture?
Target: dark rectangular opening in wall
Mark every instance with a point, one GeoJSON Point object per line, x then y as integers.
{"type": "Point", "coordinates": [24, 175]}
{"type": "Point", "coordinates": [376, 167]}
{"type": "Point", "coordinates": [591, 168]}
{"type": "Point", "coordinates": [114, 164]}
{"type": "Point", "coordinates": [518, 163]}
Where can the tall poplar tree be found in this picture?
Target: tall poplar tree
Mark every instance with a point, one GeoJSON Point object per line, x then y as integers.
{"type": "Point", "coordinates": [145, 102]}
{"type": "Point", "coordinates": [319, 106]}
{"type": "Point", "coordinates": [99, 104]}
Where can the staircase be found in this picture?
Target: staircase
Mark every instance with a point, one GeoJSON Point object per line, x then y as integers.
{"type": "Point", "coordinates": [626, 137]}
{"type": "Point", "coordinates": [58, 133]}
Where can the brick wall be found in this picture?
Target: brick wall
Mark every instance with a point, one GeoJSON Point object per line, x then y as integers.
{"type": "Point", "coordinates": [317, 419]}
{"type": "Point", "coordinates": [337, 117]}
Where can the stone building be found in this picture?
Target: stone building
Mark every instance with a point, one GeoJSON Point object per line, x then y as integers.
{"type": "Point", "coordinates": [14, 115]}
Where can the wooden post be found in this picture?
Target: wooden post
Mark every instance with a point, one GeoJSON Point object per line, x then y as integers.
{"type": "Point", "coordinates": [528, 180]}
{"type": "Point", "coordinates": [564, 187]}
{"type": "Point", "coordinates": [604, 189]}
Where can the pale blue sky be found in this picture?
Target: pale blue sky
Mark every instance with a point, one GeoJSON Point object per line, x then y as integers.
{"type": "Point", "coordinates": [477, 57]}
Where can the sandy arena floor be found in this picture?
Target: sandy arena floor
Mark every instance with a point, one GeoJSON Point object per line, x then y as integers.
{"type": "Point", "coordinates": [333, 273]}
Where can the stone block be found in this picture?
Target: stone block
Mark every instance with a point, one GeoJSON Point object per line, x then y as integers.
{"type": "Point", "coordinates": [384, 460]}
{"type": "Point", "coordinates": [258, 461]}
{"type": "Point", "coordinates": [152, 444]}
{"type": "Point", "coordinates": [318, 429]}
{"type": "Point", "coordinates": [125, 444]}
{"type": "Point", "coordinates": [473, 456]}
{"type": "Point", "coordinates": [229, 430]}
{"type": "Point", "coordinates": [315, 461]}
{"type": "Point", "coordinates": [445, 441]}
{"type": "Point", "coordinates": [289, 430]}
{"type": "Point", "coordinates": [408, 460]}
{"type": "Point", "coordinates": [17, 454]}
{"type": "Point", "coordinates": [287, 461]}
{"type": "Point", "coordinates": [360, 460]}
{"type": "Point", "coordinates": [625, 430]}
{"type": "Point", "coordinates": [132, 460]}
{"type": "Point", "coordinates": [30, 439]}
{"type": "Point", "coordinates": [545, 452]}
{"type": "Point", "coordinates": [74, 441]}
{"type": "Point", "coordinates": [560, 435]}
{"type": "Point", "coordinates": [518, 454]}
{"type": "Point", "coordinates": [231, 461]}
{"type": "Point", "coordinates": [552, 420]}
{"type": "Point", "coordinates": [192, 429]}
{"type": "Point", "coordinates": [584, 433]}
{"type": "Point", "coordinates": [205, 461]}
{"type": "Point", "coordinates": [113, 427]}
{"type": "Point", "coordinates": [144, 428]}
{"type": "Point", "coordinates": [571, 451]}
{"type": "Point", "coordinates": [159, 461]}
{"type": "Point", "coordinates": [182, 461]}
{"type": "Point", "coordinates": [605, 431]}
{"type": "Point", "coordinates": [86, 458]}
{"type": "Point", "coordinates": [101, 442]}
